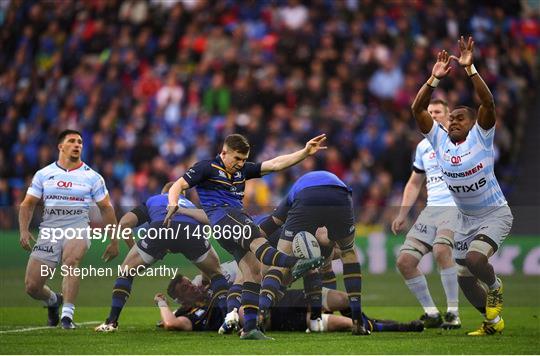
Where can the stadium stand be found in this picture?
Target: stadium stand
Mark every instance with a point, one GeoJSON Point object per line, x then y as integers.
{"type": "Point", "coordinates": [155, 86]}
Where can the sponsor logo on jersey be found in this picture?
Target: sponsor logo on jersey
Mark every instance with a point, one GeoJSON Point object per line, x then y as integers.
{"type": "Point", "coordinates": [64, 184]}
{"type": "Point", "coordinates": [222, 174]}
{"type": "Point", "coordinates": [468, 188]}
{"type": "Point", "coordinates": [431, 155]}
{"type": "Point", "coordinates": [467, 173]}
{"type": "Point", "coordinates": [63, 197]}
{"type": "Point", "coordinates": [461, 245]}
{"type": "Point", "coordinates": [48, 249]}
{"type": "Point", "coordinates": [456, 160]}
{"type": "Point", "coordinates": [238, 175]}
{"type": "Point", "coordinates": [435, 179]}
{"type": "Point", "coordinates": [59, 211]}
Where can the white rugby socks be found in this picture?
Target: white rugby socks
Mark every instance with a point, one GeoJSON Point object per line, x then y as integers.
{"type": "Point", "coordinates": [418, 286]}
{"type": "Point", "coordinates": [52, 300]}
{"type": "Point", "coordinates": [451, 288]}
{"type": "Point", "coordinates": [67, 310]}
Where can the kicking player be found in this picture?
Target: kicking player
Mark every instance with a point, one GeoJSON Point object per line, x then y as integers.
{"type": "Point", "coordinates": [432, 231]}
{"type": "Point", "coordinates": [317, 199]}
{"type": "Point", "coordinates": [466, 156]}
{"type": "Point", "coordinates": [67, 187]}
{"type": "Point", "coordinates": [175, 239]}
{"type": "Point", "coordinates": [291, 313]}
{"type": "Point", "coordinates": [220, 185]}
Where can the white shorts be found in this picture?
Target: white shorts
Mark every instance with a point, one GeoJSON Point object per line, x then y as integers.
{"type": "Point", "coordinates": [432, 219]}
{"type": "Point", "coordinates": [50, 251]}
{"type": "Point", "coordinates": [496, 225]}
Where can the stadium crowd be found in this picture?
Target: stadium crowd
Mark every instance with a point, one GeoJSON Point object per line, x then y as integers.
{"type": "Point", "coordinates": [156, 85]}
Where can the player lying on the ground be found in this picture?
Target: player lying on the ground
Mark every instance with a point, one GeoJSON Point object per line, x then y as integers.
{"type": "Point", "coordinates": [67, 188]}
{"type": "Point", "coordinates": [147, 251]}
{"type": "Point", "coordinates": [220, 183]}
{"type": "Point", "coordinates": [291, 313]}
{"type": "Point", "coordinates": [316, 199]}
{"type": "Point", "coordinates": [432, 231]}
{"type": "Point", "coordinates": [466, 156]}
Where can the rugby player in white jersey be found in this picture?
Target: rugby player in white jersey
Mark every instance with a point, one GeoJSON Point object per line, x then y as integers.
{"type": "Point", "coordinates": [432, 231]}
{"type": "Point", "coordinates": [67, 188]}
{"type": "Point", "coordinates": [465, 154]}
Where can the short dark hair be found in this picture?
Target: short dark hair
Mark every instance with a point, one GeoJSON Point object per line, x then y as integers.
{"type": "Point", "coordinates": [439, 101]}
{"type": "Point", "coordinates": [64, 133]}
{"type": "Point", "coordinates": [238, 143]}
{"type": "Point", "coordinates": [171, 289]}
{"type": "Point", "coordinates": [470, 111]}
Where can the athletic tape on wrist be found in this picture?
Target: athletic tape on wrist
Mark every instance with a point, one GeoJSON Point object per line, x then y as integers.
{"type": "Point", "coordinates": [471, 70]}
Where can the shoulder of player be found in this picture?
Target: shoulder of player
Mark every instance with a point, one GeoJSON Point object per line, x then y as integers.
{"type": "Point", "coordinates": [424, 146]}
{"type": "Point", "coordinates": [49, 169]}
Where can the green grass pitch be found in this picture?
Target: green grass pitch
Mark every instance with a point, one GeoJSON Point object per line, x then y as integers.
{"type": "Point", "coordinates": [385, 297]}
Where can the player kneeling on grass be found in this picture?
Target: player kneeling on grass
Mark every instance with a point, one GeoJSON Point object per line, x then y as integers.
{"type": "Point", "coordinates": [67, 187]}
{"type": "Point", "coordinates": [291, 313]}
{"type": "Point", "coordinates": [147, 251]}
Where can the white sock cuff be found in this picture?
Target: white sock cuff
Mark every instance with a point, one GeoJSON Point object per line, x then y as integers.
{"type": "Point", "coordinates": [419, 279]}
{"type": "Point", "coordinates": [449, 271]}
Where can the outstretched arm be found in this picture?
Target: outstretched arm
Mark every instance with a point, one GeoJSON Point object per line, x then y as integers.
{"type": "Point", "coordinates": [421, 102]}
{"type": "Point", "coordinates": [486, 111]}
{"type": "Point", "coordinates": [281, 162]}
{"type": "Point", "coordinates": [174, 193]}
{"type": "Point", "coordinates": [410, 194]}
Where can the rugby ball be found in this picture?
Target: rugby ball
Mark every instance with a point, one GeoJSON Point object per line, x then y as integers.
{"type": "Point", "coordinates": [305, 245]}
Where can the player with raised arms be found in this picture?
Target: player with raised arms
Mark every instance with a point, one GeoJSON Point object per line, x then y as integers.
{"type": "Point", "coordinates": [67, 188]}
{"type": "Point", "coordinates": [432, 231]}
{"type": "Point", "coordinates": [220, 184]}
{"type": "Point", "coordinates": [466, 156]}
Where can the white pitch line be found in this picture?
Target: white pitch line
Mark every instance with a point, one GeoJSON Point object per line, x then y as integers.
{"type": "Point", "coordinates": [44, 327]}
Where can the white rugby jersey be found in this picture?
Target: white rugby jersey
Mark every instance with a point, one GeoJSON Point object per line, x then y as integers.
{"type": "Point", "coordinates": [426, 162]}
{"type": "Point", "coordinates": [468, 169]}
{"type": "Point", "coordinates": [67, 194]}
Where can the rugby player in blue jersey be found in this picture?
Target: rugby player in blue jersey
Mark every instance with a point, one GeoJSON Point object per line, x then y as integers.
{"type": "Point", "coordinates": [67, 188]}
{"type": "Point", "coordinates": [465, 153]}
{"type": "Point", "coordinates": [317, 199]}
{"type": "Point", "coordinates": [220, 184]}
{"type": "Point", "coordinates": [174, 239]}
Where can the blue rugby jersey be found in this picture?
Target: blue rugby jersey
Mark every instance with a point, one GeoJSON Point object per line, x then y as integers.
{"type": "Point", "coordinates": [218, 189]}
{"type": "Point", "coordinates": [155, 209]}
{"type": "Point", "coordinates": [314, 179]}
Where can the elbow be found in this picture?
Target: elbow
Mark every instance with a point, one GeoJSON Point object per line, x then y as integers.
{"type": "Point", "coordinates": [168, 325]}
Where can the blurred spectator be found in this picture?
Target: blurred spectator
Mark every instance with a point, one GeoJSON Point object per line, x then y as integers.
{"type": "Point", "coordinates": [156, 85]}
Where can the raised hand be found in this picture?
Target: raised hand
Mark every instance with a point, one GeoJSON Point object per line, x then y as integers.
{"type": "Point", "coordinates": [466, 48]}
{"type": "Point", "coordinates": [442, 67]}
{"type": "Point", "coordinates": [315, 144]}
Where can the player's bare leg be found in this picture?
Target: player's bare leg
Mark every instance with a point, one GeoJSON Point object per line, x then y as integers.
{"type": "Point", "coordinates": [72, 255]}
{"type": "Point", "coordinates": [35, 285]}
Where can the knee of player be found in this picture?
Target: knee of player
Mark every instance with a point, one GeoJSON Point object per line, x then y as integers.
{"type": "Point", "coordinates": [32, 287]}
{"type": "Point", "coordinates": [442, 253]}
{"type": "Point", "coordinates": [71, 261]}
{"type": "Point", "coordinates": [474, 260]}
{"type": "Point", "coordinates": [406, 262]}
